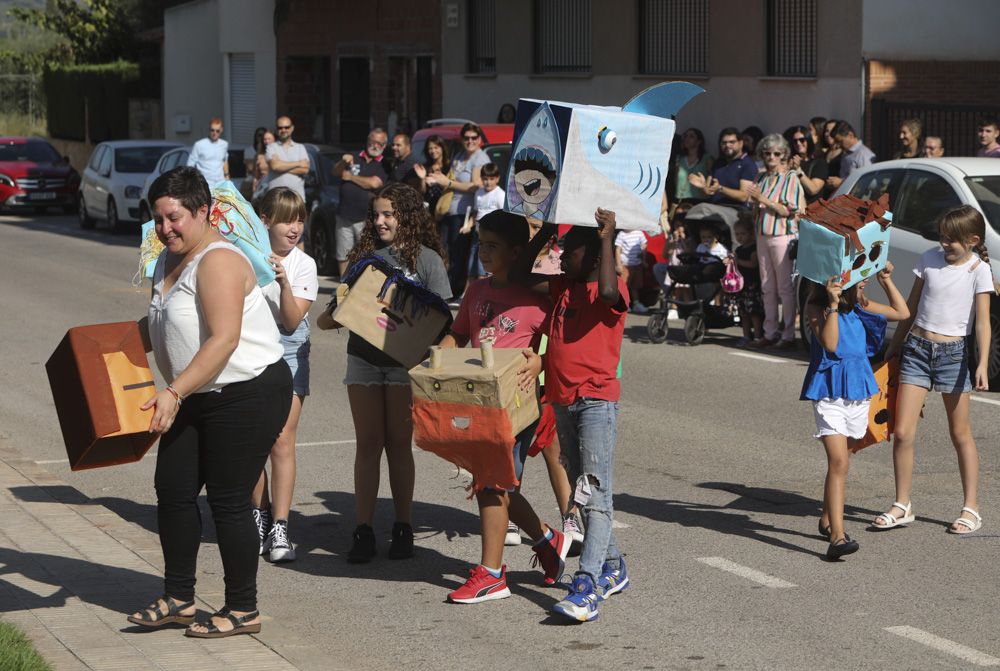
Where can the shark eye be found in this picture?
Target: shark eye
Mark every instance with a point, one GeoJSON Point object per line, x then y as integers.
{"type": "Point", "coordinates": [606, 139]}
{"type": "Point", "coordinates": [469, 387]}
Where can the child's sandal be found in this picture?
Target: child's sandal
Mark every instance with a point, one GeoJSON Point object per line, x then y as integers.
{"type": "Point", "coordinates": [970, 525]}
{"type": "Point", "coordinates": [888, 520]}
{"type": "Point", "coordinates": [239, 626]}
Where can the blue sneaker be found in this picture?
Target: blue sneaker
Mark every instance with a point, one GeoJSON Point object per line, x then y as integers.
{"type": "Point", "coordinates": [611, 581]}
{"type": "Point", "coordinates": [581, 603]}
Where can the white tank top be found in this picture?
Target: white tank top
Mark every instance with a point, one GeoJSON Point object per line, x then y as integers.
{"type": "Point", "coordinates": [177, 327]}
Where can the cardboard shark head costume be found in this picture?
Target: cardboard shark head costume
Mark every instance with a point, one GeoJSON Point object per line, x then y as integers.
{"type": "Point", "coordinates": [568, 159]}
{"type": "Point", "coordinates": [846, 237]}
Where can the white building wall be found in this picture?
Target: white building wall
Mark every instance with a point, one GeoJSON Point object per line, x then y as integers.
{"type": "Point", "coordinates": [197, 38]}
{"type": "Point", "coordinates": [931, 30]}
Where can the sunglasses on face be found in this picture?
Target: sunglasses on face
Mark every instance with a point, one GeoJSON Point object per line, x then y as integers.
{"type": "Point", "coordinates": [214, 130]}
{"type": "Point", "coordinates": [470, 138]}
{"type": "Point", "coordinates": [779, 154]}
{"type": "Point", "coordinates": [800, 140]}
{"type": "Point", "coordinates": [284, 127]}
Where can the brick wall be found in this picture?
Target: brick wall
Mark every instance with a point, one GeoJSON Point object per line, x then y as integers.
{"type": "Point", "coordinates": [313, 34]}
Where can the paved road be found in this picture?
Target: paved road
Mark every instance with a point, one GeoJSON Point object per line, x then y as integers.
{"type": "Point", "coordinates": [717, 487]}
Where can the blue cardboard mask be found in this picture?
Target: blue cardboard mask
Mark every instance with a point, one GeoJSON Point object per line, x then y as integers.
{"type": "Point", "coordinates": [845, 237]}
{"type": "Point", "coordinates": [568, 159]}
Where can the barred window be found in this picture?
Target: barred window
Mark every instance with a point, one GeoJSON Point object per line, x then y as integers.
{"type": "Point", "coordinates": [791, 38]}
{"type": "Point", "coordinates": [673, 37]}
{"type": "Point", "coordinates": [482, 37]}
{"type": "Point", "coordinates": [562, 36]}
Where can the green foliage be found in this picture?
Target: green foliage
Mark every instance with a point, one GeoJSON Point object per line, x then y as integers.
{"type": "Point", "coordinates": [97, 31]}
{"type": "Point", "coordinates": [17, 653]}
{"type": "Point", "coordinates": [124, 70]}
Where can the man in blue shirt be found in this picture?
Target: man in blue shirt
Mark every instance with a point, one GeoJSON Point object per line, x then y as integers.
{"type": "Point", "coordinates": [725, 186]}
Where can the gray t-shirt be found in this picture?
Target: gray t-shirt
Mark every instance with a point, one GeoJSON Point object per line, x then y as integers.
{"type": "Point", "coordinates": [430, 272]}
{"type": "Point", "coordinates": [463, 168]}
{"type": "Point", "coordinates": [292, 152]}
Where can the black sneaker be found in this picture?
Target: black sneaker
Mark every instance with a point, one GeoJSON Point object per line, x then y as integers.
{"type": "Point", "coordinates": [262, 519]}
{"type": "Point", "coordinates": [402, 541]}
{"type": "Point", "coordinates": [363, 548]}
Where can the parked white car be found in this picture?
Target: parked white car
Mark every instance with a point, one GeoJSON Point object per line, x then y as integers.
{"type": "Point", "coordinates": [178, 157]}
{"type": "Point", "coordinates": [920, 189]}
{"type": "Point", "coordinates": [112, 181]}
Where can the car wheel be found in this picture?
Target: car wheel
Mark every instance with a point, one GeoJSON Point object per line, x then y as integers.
{"type": "Point", "coordinates": [114, 223]}
{"type": "Point", "coordinates": [144, 213]}
{"type": "Point", "coordinates": [85, 220]}
{"type": "Point", "coordinates": [694, 329]}
{"type": "Point", "coordinates": [323, 248]}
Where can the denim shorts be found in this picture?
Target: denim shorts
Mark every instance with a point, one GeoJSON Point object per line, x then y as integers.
{"type": "Point", "coordinates": [522, 443]}
{"type": "Point", "coordinates": [297, 346]}
{"type": "Point", "coordinates": [361, 372]}
{"type": "Point", "coordinates": [941, 366]}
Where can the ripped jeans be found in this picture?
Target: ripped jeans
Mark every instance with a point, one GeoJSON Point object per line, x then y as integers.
{"type": "Point", "coordinates": [588, 431]}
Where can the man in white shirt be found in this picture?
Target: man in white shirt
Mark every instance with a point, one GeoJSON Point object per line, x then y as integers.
{"type": "Point", "coordinates": [210, 155]}
{"type": "Point", "coordinates": [287, 160]}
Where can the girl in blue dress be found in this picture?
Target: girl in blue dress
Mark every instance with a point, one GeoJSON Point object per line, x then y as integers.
{"type": "Point", "coordinates": [848, 329]}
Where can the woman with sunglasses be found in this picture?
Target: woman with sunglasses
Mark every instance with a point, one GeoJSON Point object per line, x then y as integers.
{"type": "Point", "coordinates": [812, 172]}
{"type": "Point", "coordinates": [777, 199]}
{"type": "Point", "coordinates": [465, 168]}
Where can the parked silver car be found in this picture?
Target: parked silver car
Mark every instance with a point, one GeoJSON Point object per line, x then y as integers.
{"type": "Point", "coordinates": [178, 157]}
{"type": "Point", "coordinates": [920, 189]}
{"type": "Point", "coordinates": [112, 181]}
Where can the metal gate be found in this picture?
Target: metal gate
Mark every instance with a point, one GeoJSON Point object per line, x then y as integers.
{"type": "Point", "coordinates": [956, 125]}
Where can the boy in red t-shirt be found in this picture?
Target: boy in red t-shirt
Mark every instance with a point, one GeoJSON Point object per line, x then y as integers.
{"type": "Point", "coordinates": [585, 332]}
{"type": "Point", "coordinates": [511, 316]}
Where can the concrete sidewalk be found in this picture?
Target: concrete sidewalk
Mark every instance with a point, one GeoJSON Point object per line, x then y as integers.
{"type": "Point", "coordinates": [71, 570]}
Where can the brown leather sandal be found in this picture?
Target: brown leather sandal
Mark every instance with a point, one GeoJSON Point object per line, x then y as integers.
{"type": "Point", "coordinates": [239, 625]}
{"type": "Point", "coordinates": [172, 615]}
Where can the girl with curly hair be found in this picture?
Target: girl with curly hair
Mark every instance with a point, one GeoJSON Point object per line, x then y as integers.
{"type": "Point", "coordinates": [400, 231]}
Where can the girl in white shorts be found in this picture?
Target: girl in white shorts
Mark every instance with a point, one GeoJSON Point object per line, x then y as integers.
{"type": "Point", "coordinates": [847, 330]}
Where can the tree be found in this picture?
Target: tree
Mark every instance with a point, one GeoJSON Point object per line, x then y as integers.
{"type": "Point", "coordinates": [98, 31]}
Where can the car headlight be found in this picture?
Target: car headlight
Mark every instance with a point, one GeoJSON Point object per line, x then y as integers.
{"type": "Point", "coordinates": [7, 181]}
{"type": "Point", "coordinates": [133, 192]}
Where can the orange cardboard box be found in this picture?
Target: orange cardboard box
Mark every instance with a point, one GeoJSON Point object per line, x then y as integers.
{"type": "Point", "coordinates": [100, 377]}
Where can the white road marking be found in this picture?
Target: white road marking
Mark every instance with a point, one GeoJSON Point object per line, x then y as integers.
{"type": "Point", "coordinates": [745, 572]}
{"type": "Point", "coordinates": [761, 357]}
{"type": "Point", "coordinates": [944, 645]}
{"type": "Point", "coordinates": [983, 399]}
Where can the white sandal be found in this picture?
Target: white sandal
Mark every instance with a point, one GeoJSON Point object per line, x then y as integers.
{"type": "Point", "coordinates": [888, 520]}
{"type": "Point", "coordinates": [970, 525]}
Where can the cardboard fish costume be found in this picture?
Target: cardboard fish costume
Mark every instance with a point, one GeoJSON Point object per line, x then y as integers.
{"type": "Point", "coordinates": [468, 409]}
{"type": "Point", "coordinates": [100, 377]}
{"type": "Point", "coordinates": [569, 159]}
{"type": "Point", "coordinates": [233, 217]}
{"type": "Point", "coordinates": [397, 315]}
{"type": "Point", "coordinates": [882, 411]}
{"type": "Point", "coordinates": [846, 237]}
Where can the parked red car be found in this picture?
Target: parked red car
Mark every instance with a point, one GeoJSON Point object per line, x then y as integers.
{"type": "Point", "coordinates": [33, 174]}
{"type": "Point", "coordinates": [496, 141]}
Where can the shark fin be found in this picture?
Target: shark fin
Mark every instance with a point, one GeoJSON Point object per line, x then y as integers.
{"type": "Point", "coordinates": [663, 100]}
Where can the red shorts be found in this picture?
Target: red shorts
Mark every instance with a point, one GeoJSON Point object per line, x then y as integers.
{"type": "Point", "coordinates": [545, 434]}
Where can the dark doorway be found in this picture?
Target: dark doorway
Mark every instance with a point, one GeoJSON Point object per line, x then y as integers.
{"type": "Point", "coordinates": [307, 97]}
{"type": "Point", "coordinates": [425, 90]}
{"type": "Point", "coordinates": [355, 101]}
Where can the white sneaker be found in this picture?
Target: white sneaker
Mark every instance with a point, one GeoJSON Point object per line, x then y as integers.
{"type": "Point", "coordinates": [513, 535]}
{"type": "Point", "coordinates": [279, 547]}
{"type": "Point", "coordinates": [573, 531]}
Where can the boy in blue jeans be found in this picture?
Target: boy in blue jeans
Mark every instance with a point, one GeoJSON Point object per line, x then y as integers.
{"type": "Point", "coordinates": [585, 329]}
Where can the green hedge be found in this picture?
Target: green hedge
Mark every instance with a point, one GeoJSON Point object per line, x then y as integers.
{"type": "Point", "coordinates": [94, 98]}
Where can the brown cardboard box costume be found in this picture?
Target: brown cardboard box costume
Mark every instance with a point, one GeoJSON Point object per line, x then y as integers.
{"type": "Point", "coordinates": [100, 377]}
{"type": "Point", "coordinates": [468, 409]}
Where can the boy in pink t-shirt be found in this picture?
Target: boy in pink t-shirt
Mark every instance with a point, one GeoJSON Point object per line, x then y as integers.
{"type": "Point", "coordinates": [509, 315]}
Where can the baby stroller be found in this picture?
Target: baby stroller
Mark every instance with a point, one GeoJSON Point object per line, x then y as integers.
{"type": "Point", "coordinates": [702, 272]}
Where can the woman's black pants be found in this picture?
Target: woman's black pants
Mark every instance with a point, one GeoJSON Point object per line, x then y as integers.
{"type": "Point", "coordinates": [220, 441]}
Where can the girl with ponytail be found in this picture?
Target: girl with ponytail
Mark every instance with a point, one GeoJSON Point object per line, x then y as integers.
{"type": "Point", "coordinates": [950, 297]}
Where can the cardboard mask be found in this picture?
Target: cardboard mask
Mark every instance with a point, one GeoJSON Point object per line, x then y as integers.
{"type": "Point", "coordinates": [882, 411]}
{"type": "Point", "coordinates": [100, 377]}
{"type": "Point", "coordinates": [397, 315]}
{"type": "Point", "coordinates": [235, 219]}
{"type": "Point", "coordinates": [846, 237]}
{"type": "Point", "coordinates": [568, 159]}
{"type": "Point", "coordinates": [468, 409]}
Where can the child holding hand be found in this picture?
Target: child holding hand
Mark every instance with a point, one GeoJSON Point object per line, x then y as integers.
{"type": "Point", "coordinates": [848, 328]}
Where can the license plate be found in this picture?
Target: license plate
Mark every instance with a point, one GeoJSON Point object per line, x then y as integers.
{"type": "Point", "coordinates": [42, 195]}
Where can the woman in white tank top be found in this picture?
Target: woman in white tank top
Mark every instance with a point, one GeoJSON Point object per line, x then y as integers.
{"type": "Point", "coordinates": [228, 395]}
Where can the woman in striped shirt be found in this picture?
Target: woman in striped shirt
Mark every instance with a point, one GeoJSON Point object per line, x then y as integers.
{"type": "Point", "coordinates": [777, 199]}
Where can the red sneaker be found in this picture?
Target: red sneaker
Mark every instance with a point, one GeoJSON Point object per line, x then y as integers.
{"type": "Point", "coordinates": [551, 554]}
{"type": "Point", "coordinates": [481, 586]}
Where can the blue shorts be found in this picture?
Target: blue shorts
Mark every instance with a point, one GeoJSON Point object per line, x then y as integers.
{"type": "Point", "coordinates": [941, 366]}
{"type": "Point", "coordinates": [297, 346]}
{"type": "Point", "coordinates": [522, 443]}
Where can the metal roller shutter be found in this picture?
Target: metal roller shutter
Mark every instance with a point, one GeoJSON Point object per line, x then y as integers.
{"type": "Point", "coordinates": [242, 97]}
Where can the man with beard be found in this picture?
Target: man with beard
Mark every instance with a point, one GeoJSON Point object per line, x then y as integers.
{"type": "Point", "coordinates": [726, 185]}
{"type": "Point", "coordinates": [363, 175]}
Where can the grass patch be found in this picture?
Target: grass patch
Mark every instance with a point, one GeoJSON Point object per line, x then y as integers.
{"type": "Point", "coordinates": [21, 124]}
{"type": "Point", "coordinates": [17, 653]}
